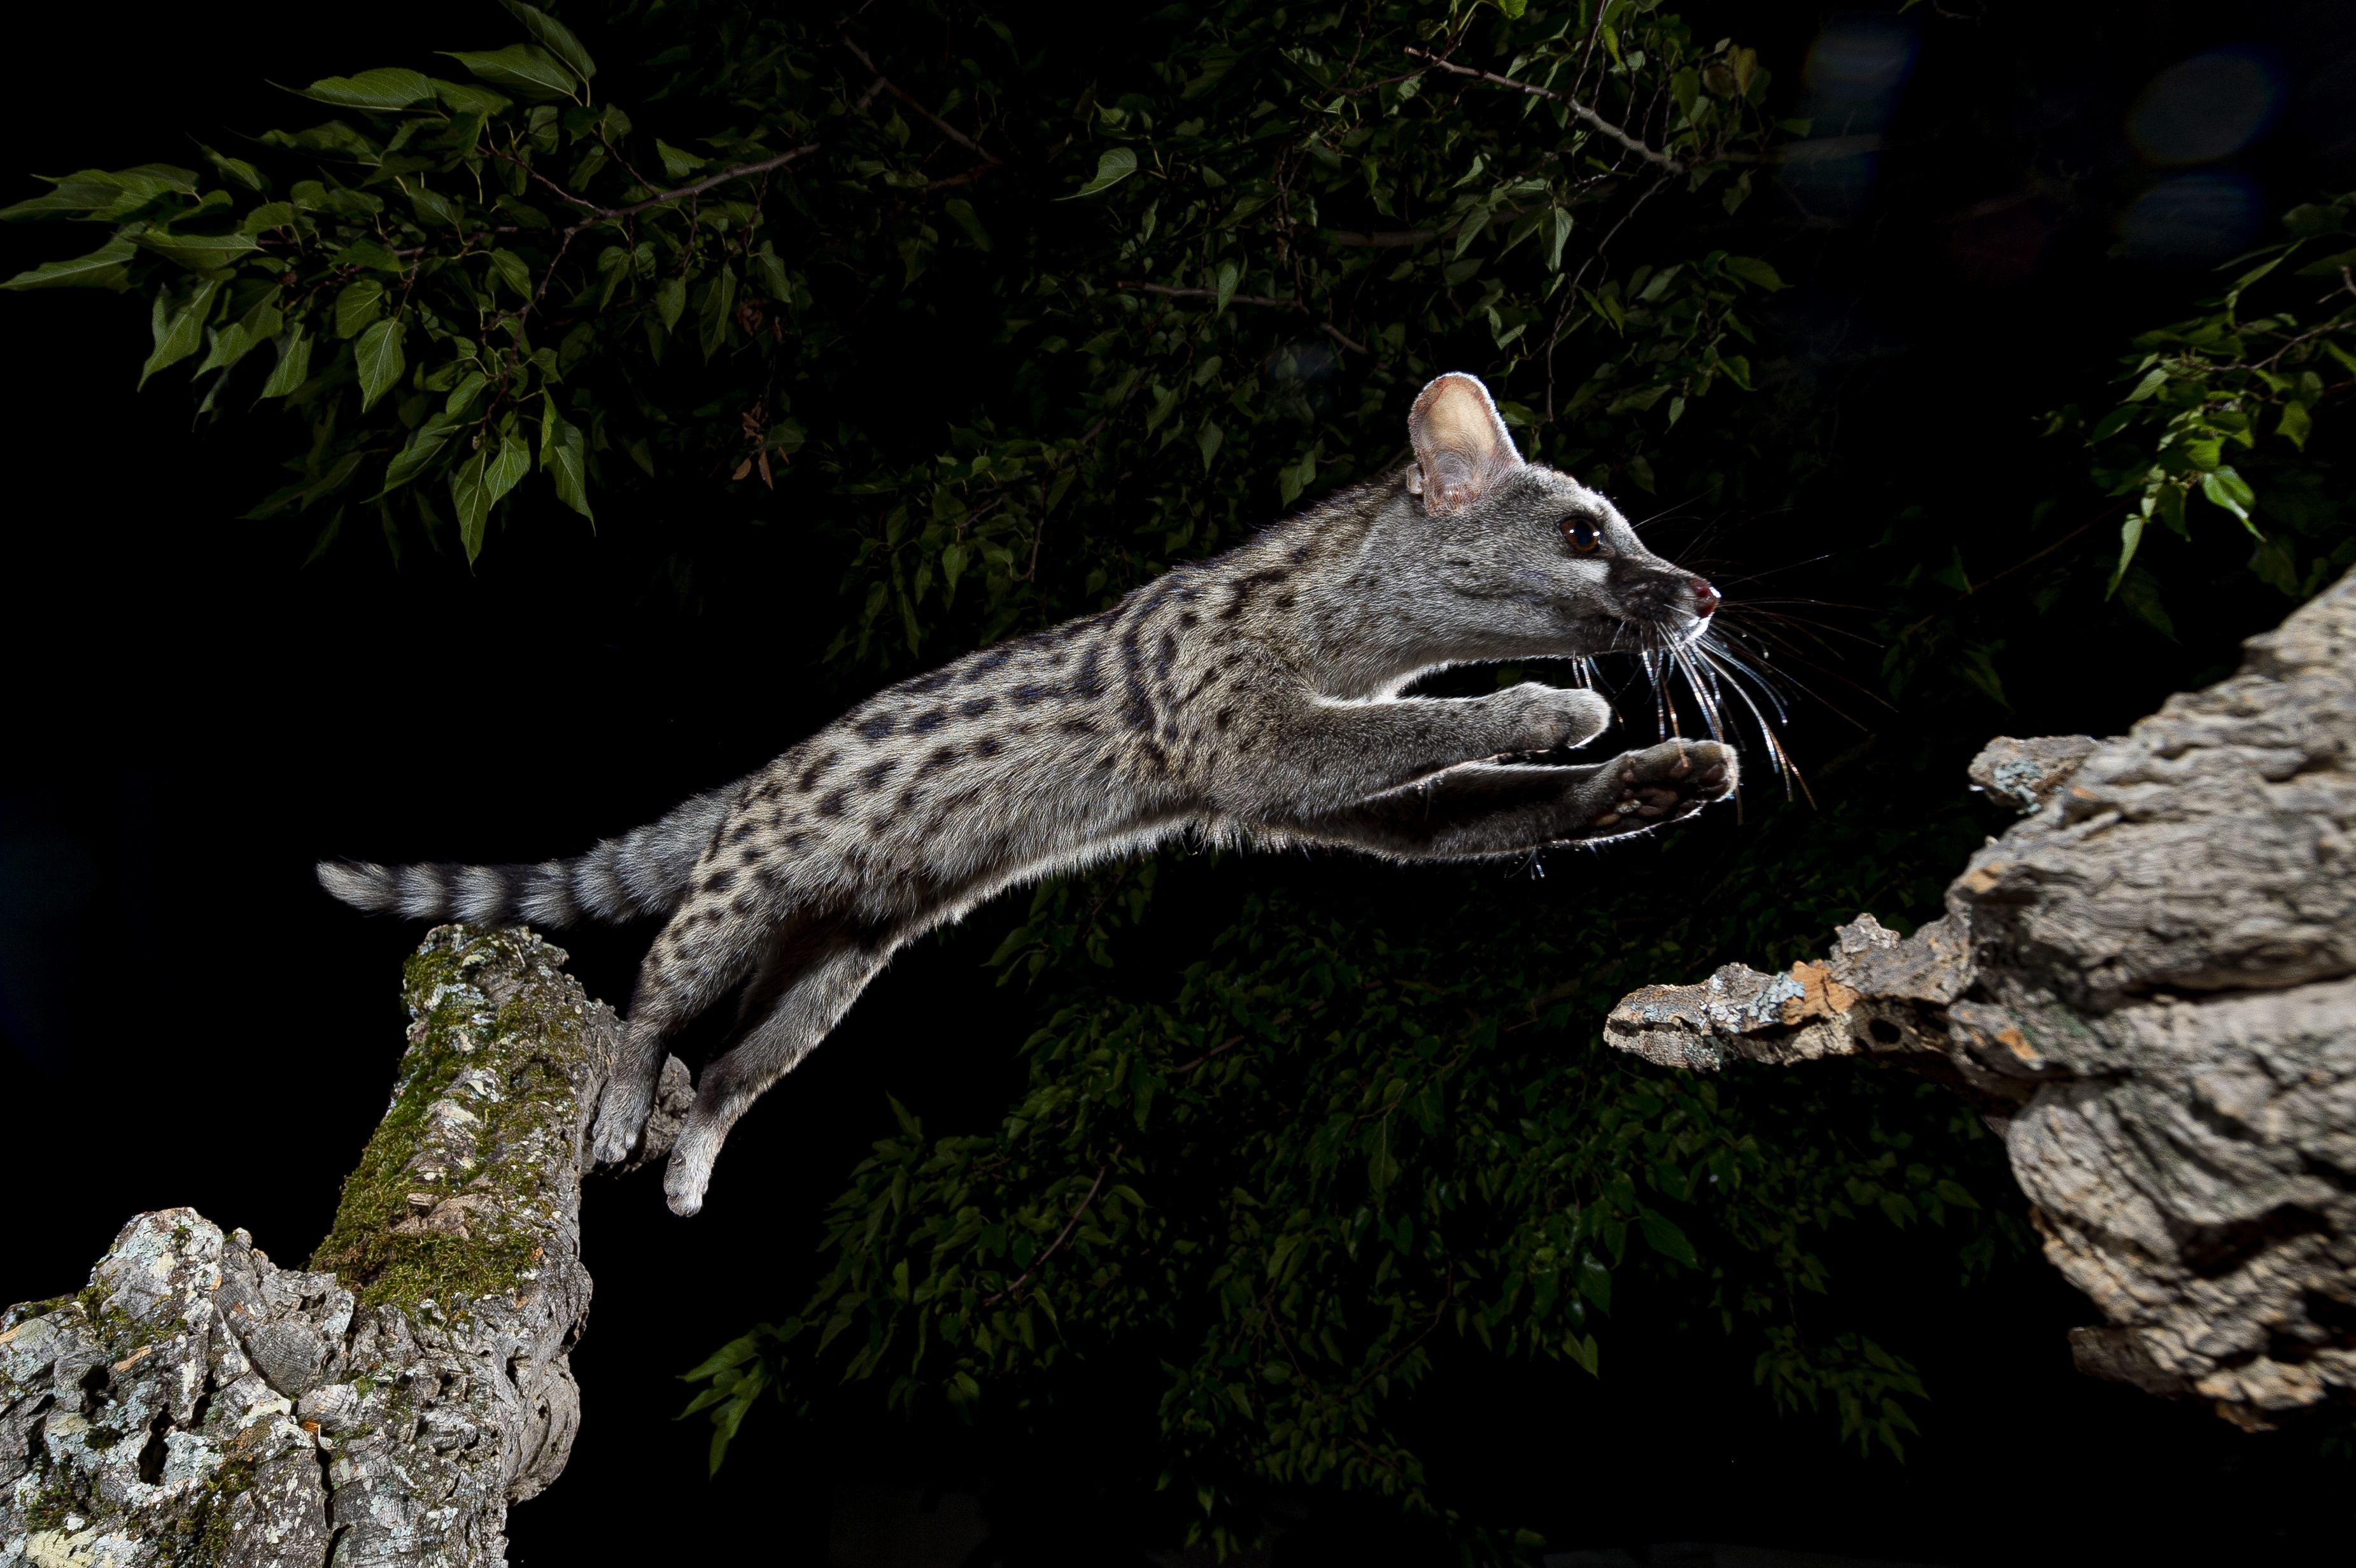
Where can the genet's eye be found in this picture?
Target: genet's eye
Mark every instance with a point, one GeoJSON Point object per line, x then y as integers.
{"type": "Point", "coordinates": [1580, 535]}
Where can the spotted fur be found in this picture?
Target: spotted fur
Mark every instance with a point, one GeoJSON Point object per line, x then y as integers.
{"type": "Point", "coordinates": [1253, 698]}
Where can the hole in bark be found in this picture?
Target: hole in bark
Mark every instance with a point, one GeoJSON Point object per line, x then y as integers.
{"type": "Point", "coordinates": [2325, 1171]}
{"type": "Point", "coordinates": [1884, 1032]}
{"type": "Point", "coordinates": [2210, 1250]}
{"type": "Point", "coordinates": [197, 1416]}
{"type": "Point", "coordinates": [94, 1381]}
{"type": "Point", "coordinates": [2338, 1317]}
{"type": "Point", "coordinates": [151, 1456]}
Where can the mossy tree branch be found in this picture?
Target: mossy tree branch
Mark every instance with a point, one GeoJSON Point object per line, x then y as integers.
{"type": "Point", "coordinates": [196, 1403]}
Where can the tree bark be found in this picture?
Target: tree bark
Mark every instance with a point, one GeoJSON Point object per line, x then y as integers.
{"type": "Point", "coordinates": [2146, 987]}
{"type": "Point", "coordinates": [198, 1403]}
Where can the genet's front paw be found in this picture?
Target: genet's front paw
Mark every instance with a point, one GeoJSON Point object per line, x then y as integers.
{"type": "Point", "coordinates": [1545, 718]}
{"type": "Point", "coordinates": [1664, 782]}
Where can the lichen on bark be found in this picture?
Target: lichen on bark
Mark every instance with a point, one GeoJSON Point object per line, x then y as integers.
{"type": "Point", "coordinates": [198, 1405]}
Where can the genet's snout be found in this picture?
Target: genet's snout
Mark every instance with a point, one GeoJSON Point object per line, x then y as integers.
{"type": "Point", "coordinates": [1705, 599]}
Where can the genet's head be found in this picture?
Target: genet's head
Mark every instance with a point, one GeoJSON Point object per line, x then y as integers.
{"type": "Point", "coordinates": [1549, 566]}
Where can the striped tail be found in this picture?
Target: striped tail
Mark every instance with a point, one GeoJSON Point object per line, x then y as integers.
{"type": "Point", "coordinates": [644, 872]}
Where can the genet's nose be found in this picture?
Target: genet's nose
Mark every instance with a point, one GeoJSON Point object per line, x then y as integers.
{"type": "Point", "coordinates": [1705, 599]}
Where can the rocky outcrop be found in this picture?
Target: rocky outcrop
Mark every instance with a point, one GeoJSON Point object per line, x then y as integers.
{"type": "Point", "coordinates": [198, 1403]}
{"type": "Point", "coordinates": [2149, 986]}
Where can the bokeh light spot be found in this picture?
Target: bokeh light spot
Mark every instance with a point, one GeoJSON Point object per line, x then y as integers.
{"type": "Point", "coordinates": [2206, 108]}
{"type": "Point", "coordinates": [2193, 219]}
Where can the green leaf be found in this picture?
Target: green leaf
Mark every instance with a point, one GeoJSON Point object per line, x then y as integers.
{"type": "Point", "coordinates": [2227, 488]}
{"type": "Point", "coordinates": [472, 506]}
{"type": "Point", "coordinates": [719, 303]}
{"type": "Point", "coordinates": [365, 252]}
{"type": "Point", "coordinates": [525, 69]}
{"type": "Point", "coordinates": [467, 98]}
{"type": "Point", "coordinates": [2294, 424]}
{"type": "Point", "coordinates": [235, 169]}
{"type": "Point", "coordinates": [969, 220]}
{"type": "Point", "coordinates": [2130, 536]}
{"type": "Point", "coordinates": [510, 465]}
{"type": "Point", "coordinates": [677, 164]}
{"type": "Point", "coordinates": [564, 456]}
{"type": "Point", "coordinates": [1116, 164]}
{"type": "Point", "coordinates": [670, 299]}
{"type": "Point", "coordinates": [1753, 271]}
{"type": "Point", "coordinates": [180, 331]}
{"type": "Point", "coordinates": [553, 35]}
{"type": "Point", "coordinates": [1225, 285]}
{"type": "Point", "coordinates": [381, 360]}
{"type": "Point", "coordinates": [387, 88]}
{"type": "Point", "coordinates": [1663, 1236]}
{"type": "Point", "coordinates": [294, 363]}
{"type": "Point", "coordinates": [109, 266]}
{"type": "Point", "coordinates": [359, 303]}
{"type": "Point", "coordinates": [1558, 229]}
{"type": "Point", "coordinates": [100, 195]}
{"type": "Point", "coordinates": [512, 271]}
{"type": "Point", "coordinates": [424, 444]}
{"type": "Point", "coordinates": [198, 253]}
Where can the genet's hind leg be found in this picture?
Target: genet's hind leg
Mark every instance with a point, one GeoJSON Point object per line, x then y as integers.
{"type": "Point", "coordinates": [698, 957]}
{"type": "Point", "coordinates": [814, 995]}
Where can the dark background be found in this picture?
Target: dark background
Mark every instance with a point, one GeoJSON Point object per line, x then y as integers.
{"type": "Point", "coordinates": [193, 718]}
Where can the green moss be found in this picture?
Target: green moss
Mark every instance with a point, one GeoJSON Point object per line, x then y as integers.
{"type": "Point", "coordinates": [49, 1507]}
{"type": "Point", "coordinates": [210, 1522]}
{"type": "Point", "coordinates": [529, 1041]}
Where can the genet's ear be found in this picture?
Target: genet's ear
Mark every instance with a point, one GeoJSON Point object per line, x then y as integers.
{"type": "Point", "coordinates": [1461, 446]}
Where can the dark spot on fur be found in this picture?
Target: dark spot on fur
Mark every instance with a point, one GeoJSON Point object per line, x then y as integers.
{"type": "Point", "coordinates": [817, 770]}
{"type": "Point", "coordinates": [1299, 553]}
{"type": "Point", "coordinates": [719, 882]}
{"type": "Point", "coordinates": [1078, 726]}
{"type": "Point", "coordinates": [1225, 717]}
{"type": "Point", "coordinates": [1167, 654]}
{"type": "Point", "coordinates": [831, 806]}
{"type": "Point", "coordinates": [1286, 601]}
{"type": "Point", "coordinates": [745, 902]}
{"type": "Point", "coordinates": [991, 660]}
{"type": "Point", "coordinates": [794, 841]}
{"type": "Point", "coordinates": [1026, 696]}
{"type": "Point", "coordinates": [928, 721]}
{"type": "Point", "coordinates": [1086, 683]}
{"type": "Point", "coordinates": [977, 707]}
{"type": "Point", "coordinates": [1188, 618]}
{"type": "Point", "coordinates": [988, 746]}
{"type": "Point", "coordinates": [941, 756]}
{"type": "Point", "coordinates": [874, 774]}
{"type": "Point", "coordinates": [744, 831]}
{"type": "Point", "coordinates": [877, 728]}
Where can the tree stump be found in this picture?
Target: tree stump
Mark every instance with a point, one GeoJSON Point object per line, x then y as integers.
{"type": "Point", "coordinates": [2146, 987]}
{"type": "Point", "coordinates": [198, 1403]}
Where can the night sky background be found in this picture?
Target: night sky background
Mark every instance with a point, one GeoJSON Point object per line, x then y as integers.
{"type": "Point", "coordinates": [192, 718]}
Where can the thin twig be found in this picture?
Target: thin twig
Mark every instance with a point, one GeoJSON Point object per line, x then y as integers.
{"type": "Point", "coordinates": [606, 214]}
{"type": "Point", "coordinates": [1650, 155]}
{"type": "Point", "coordinates": [2102, 516]}
{"type": "Point", "coordinates": [937, 124]}
{"type": "Point", "coordinates": [1070, 1226]}
{"type": "Point", "coordinates": [1328, 328]}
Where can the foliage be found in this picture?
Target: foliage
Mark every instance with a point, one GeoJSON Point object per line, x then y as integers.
{"type": "Point", "coordinates": [2226, 380]}
{"type": "Point", "coordinates": [461, 282]}
{"type": "Point", "coordinates": [1000, 327]}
